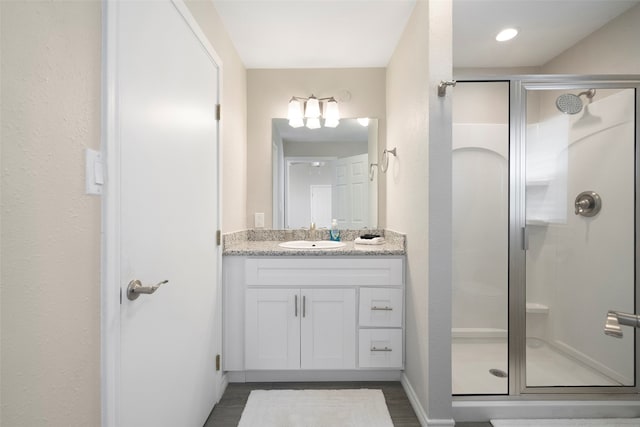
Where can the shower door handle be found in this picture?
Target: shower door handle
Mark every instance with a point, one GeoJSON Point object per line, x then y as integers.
{"type": "Point", "coordinates": [615, 319]}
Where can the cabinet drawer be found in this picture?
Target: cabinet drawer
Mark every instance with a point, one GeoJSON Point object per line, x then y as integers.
{"type": "Point", "coordinates": [329, 271]}
{"type": "Point", "coordinates": [381, 307]}
{"type": "Point", "coordinates": [380, 348]}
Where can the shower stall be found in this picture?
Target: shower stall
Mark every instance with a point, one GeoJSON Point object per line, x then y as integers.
{"type": "Point", "coordinates": [545, 223]}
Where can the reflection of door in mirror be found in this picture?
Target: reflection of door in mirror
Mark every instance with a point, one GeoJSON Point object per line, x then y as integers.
{"type": "Point", "coordinates": [322, 174]}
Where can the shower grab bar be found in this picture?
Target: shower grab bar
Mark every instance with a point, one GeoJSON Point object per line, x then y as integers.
{"type": "Point", "coordinates": [385, 308]}
{"type": "Point", "coordinates": [615, 319]}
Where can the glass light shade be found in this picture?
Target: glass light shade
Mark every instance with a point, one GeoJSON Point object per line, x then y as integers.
{"type": "Point", "coordinates": [295, 110]}
{"type": "Point", "coordinates": [313, 123]}
{"type": "Point", "coordinates": [331, 123]}
{"type": "Point", "coordinates": [331, 110]}
{"type": "Point", "coordinates": [296, 123]}
{"type": "Point", "coordinates": [364, 121]}
{"type": "Point", "coordinates": [312, 108]}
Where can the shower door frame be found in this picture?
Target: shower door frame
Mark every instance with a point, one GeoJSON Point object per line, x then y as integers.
{"type": "Point", "coordinates": [517, 390]}
{"type": "Point", "coordinates": [517, 231]}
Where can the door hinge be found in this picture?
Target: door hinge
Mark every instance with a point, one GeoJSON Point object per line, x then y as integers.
{"type": "Point", "coordinates": [525, 239]}
{"type": "Point", "coordinates": [217, 362]}
{"type": "Point", "coordinates": [218, 112]}
{"type": "Point", "coordinates": [218, 237]}
{"type": "Point", "coordinates": [120, 296]}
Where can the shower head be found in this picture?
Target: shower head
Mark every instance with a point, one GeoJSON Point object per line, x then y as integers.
{"type": "Point", "coordinates": [569, 103]}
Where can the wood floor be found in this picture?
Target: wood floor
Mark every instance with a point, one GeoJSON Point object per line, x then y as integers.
{"type": "Point", "coordinates": [228, 411]}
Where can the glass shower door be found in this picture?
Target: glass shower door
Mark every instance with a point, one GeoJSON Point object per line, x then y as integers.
{"type": "Point", "coordinates": [580, 178]}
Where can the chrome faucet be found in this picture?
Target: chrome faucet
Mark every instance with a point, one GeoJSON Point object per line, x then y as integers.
{"type": "Point", "coordinates": [312, 231]}
{"type": "Point", "coordinates": [615, 319]}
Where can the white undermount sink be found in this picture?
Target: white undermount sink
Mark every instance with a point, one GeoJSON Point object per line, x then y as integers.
{"type": "Point", "coordinates": [307, 244]}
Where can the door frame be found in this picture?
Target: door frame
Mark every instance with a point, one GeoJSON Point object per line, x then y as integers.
{"type": "Point", "coordinates": [110, 293]}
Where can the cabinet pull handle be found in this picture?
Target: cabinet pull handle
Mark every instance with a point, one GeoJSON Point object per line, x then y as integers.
{"type": "Point", "coordinates": [385, 308]}
{"type": "Point", "coordinates": [304, 306]}
{"type": "Point", "coordinates": [295, 305]}
{"type": "Point", "coordinates": [381, 349]}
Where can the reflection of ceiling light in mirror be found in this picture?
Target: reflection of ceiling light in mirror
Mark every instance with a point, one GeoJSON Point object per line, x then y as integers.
{"type": "Point", "coordinates": [296, 123]}
{"type": "Point", "coordinates": [331, 123]}
{"type": "Point", "coordinates": [364, 121]}
{"type": "Point", "coordinates": [506, 34]}
{"type": "Point", "coordinates": [317, 164]}
{"type": "Point", "coordinates": [313, 123]}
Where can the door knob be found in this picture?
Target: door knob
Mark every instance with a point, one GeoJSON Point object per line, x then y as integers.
{"type": "Point", "coordinates": [135, 288]}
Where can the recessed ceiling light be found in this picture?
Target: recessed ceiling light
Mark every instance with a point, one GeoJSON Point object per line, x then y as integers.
{"type": "Point", "coordinates": [506, 34]}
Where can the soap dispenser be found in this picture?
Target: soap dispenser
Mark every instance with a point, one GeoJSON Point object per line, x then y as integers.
{"type": "Point", "coordinates": [334, 234]}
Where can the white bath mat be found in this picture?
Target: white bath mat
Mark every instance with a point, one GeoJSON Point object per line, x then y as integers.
{"type": "Point", "coordinates": [574, 422]}
{"type": "Point", "coordinates": [316, 408]}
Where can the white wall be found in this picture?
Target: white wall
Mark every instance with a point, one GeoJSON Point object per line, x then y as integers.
{"type": "Point", "coordinates": [613, 49]}
{"type": "Point", "coordinates": [419, 198]}
{"type": "Point", "coordinates": [269, 92]}
{"type": "Point", "coordinates": [50, 270]}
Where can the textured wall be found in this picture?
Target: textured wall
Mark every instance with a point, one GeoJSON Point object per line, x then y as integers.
{"type": "Point", "coordinates": [419, 196]}
{"type": "Point", "coordinates": [50, 284]}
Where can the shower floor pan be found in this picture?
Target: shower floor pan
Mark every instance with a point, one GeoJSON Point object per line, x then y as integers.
{"type": "Point", "coordinates": [473, 358]}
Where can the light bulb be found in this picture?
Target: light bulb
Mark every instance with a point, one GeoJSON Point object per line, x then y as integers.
{"type": "Point", "coordinates": [295, 110]}
{"type": "Point", "coordinates": [312, 108]}
{"type": "Point", "coordinates": [332, 113]}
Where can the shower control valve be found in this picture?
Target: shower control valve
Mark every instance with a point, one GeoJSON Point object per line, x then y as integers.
{"type": "Point", "coordinates": [588, 203]}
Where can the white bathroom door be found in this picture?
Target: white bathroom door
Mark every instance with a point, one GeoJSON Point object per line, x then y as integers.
{"type": "Point", "coordinates": [166, 91]}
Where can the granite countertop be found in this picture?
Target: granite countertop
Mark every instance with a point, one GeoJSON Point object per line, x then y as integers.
{"type": "Point", "coordinates": [265, 243]}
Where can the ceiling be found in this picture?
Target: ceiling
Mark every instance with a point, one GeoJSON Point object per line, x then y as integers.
{"type": "Point", "coordinates": [364, 33]}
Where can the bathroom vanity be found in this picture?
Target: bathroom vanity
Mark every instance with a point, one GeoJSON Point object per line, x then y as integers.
{"type": "Point", "coordinates": [312, 314]}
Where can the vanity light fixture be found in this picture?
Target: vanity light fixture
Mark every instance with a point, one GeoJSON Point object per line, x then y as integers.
{"type": "Point", "coordinates": [364, 121]}
{"type": "Point", "coordinates": [314, 109]}
{"type": "Point", "coordinates": [506, 34]}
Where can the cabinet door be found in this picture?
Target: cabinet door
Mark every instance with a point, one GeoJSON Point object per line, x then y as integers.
{"type": "Point", "coordinates": [272, 329]}
{"type": "Point", "coordinates": [328, 329]}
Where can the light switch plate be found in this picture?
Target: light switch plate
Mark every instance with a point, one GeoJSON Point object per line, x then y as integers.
{"type": "Point", "coordinates": [259, 220]}
{"type": "Point", "coordinates": [94, 172]}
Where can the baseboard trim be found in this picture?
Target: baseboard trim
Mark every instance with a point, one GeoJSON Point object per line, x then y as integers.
{"type": "Point", "coordinates": [419, 410]}
{"type": "Point", "coordinates": [312, 376]}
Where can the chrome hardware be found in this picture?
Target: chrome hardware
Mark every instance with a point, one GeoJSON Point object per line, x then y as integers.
{"type": "Point", "coordinates": [442, 87]}
{"type": "Point", "coordinates": [385, 158]}
{"type": "Point", "coordinates": [385, 308]}
{"type": "Point", "coordinates": [372, 171]}
{"type": "Point", "coordinates": [381, 349]}
{"type": "Point", "coordinates": [588, 203]}
{"type": "Point", "coordinates": [135, 288]}
{"type": "Point", "coordinates": [296, 306]}
{"type": "Point", "coordinates": [615, 319]}
{"type": "Point", "coordinates": [304, 306]}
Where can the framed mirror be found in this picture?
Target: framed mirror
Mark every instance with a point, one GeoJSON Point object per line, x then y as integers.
{"type": "Point", "coordinates": [324, 174]}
